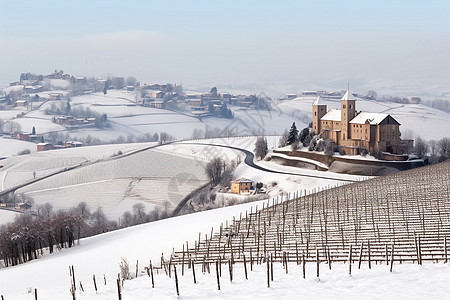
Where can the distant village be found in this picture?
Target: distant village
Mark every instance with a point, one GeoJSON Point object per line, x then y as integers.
{"type": "Point", "coordinates": [32, 90]}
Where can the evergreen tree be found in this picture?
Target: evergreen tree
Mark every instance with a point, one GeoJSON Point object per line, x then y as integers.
{"type": "Point", "coordinates": [33, 131]}
{"type": "Point", "coordinates": [293, 135]}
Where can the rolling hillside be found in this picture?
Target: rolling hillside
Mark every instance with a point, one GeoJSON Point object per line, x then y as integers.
{"type": "Point", "coordinates": [390, 210]}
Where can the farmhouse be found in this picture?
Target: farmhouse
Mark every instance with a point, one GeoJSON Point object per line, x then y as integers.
{"type": "Point", "coordinates": [54, 96]}
{"type": "Point", "coordinates": [44, 146]}
{"type": "Point", "coordinates": [356, 131]}
{"type": "Point", "coordinates": [241, 186]}
{"type": "Point", "coordinates": [21, 103]}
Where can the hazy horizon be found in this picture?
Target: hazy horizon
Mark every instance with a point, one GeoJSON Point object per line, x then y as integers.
{"type": "Point", "coordinates": [263, 45]}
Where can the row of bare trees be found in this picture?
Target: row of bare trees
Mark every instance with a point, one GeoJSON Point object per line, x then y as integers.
{"type": "Point", "coordinates": [25, 238]}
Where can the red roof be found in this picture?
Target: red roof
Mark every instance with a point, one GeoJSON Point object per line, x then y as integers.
{"type": "Point", "coordinates": [242, 180]}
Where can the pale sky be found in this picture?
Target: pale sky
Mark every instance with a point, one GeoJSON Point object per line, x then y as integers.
{"type": "Point", "coordinates": [289, 44]}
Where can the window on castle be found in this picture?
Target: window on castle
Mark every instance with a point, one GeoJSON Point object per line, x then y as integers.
{"type": "Point", "coordinates": [350, 106]}
{"type": "Point", "coordinates": [344, 106]}
{"type": "Point", "coordinates": [315, 113]}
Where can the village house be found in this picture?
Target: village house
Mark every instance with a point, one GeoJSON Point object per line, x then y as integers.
{"type": "Point", "coordinates": [291, 96]}
{"type": "Point", "coordinates": [44, 146]}
{"type": "Point", "coordinates": [157, 95]}
{"type": "Point", "coordinates": [21, 103]}
{"type": "Point", "coordinates": [415, 100]}
{"type": "Point", "coordinates": [241, 186]}
{"type": "Point", "coordinates": [32, 89]}
{"type": "Point", "coordinates": [72, 144]}
{"type": "Point", "coordinates": [158, 104]}
{"type": "Point", "coordinates": [354, 131]}
{"type": "Point", "coordinates": [55, 96]}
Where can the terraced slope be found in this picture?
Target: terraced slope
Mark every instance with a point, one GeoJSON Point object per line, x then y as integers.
{"type": "Point", "coordinates": [404, 217]}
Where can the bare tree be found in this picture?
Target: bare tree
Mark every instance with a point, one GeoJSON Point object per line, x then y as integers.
{"type": "Point", "coordinates": [139, 213]}
{"type": "Point", "coordinates": [261, 147]}
{"type": "Point", "coordinates": [283, 139]}
{"type": "Point", "coordinates": [444, 147]}
{"type": "Point", "coordinates": [214, 170]}
{"type": "Point", "coordinates": [131, 81]}
{"type": "Point", "coordinates": [420, 147]}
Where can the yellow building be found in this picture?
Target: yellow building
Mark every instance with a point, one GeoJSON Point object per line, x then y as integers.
{"type": "Point", "coordinates": [356, 131]}
{"type": "Point", "coordinates": [241, 186]}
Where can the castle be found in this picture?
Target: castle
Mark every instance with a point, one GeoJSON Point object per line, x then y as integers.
{"type": "Point", "coordinates": [374, 132]}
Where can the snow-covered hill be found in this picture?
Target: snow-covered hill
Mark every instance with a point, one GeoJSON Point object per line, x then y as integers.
{"type": "Point", "coordinates": [101, 255]}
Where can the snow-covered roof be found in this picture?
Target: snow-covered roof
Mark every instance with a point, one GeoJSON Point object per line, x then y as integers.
{"type": "Point", "coordinates": [319, 101]}
{"type": "Point", "coordinates": [242, 180]}
{"type": "Point", "coordinates": [373, 118]}
{"type": "Point", "coordinates": [332, 115]}
{"type": "Point", "coordinates": [348, 96]}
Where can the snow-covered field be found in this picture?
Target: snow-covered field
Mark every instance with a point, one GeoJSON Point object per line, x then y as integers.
{"type": "Point", "coordinates": [128, 119]}
{"type": "Point", "coordinates": [101, 255]}
{"type": "Point", "coordinates": [7, 216]}
{"type": "Point", "coordinates": [11, 147]}
{"type": "Point", "coordinates": [158, 177]}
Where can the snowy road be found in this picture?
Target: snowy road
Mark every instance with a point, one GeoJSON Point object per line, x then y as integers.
{"type": "Point", "coordinates": [249, 157]}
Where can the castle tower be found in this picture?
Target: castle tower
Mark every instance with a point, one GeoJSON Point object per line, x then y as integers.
{"type": "Point", "coordinates": [319, 109]}
{"type": "Point", "coordinates": [347, 114]}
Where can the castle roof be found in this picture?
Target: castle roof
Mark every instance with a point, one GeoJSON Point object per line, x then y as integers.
{"type": "Point", "coordinates": [332, 115]}
{"type": "Point", "coordinates": [373, 118]}
{"type": "Point", "coordinates": [319, 101]}
{"type": "Point", "coordinates": [348, 96]}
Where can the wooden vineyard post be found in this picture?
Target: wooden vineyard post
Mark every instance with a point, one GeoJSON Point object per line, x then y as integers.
{"type": "Point", "coordinates": [176, 280]}
{"type": "Point", "coordinates": [217, 275]}
{"type": "Point", "coordinates": [360, 255]}
{"type": "Point", "coordinates": [350, 260]}
{"type": "Point", "coordinates": [104, 279]}
{"type": "Point", "coordinates": [137, 268]}
{"type": "Point", "coordinates": [119, 290]}
{"type": "Point", "coordinates": [245, 268]}
{"type": "Point", "coordinates": [418, 250]}
{"type": "Point", "coordinates": [151, 274]}
{"type": "Point", "coordinates": [317, 263]}
{"type": "Point", "coordinates": [392, 257]}
{"type": "Point", "coordinates": [368, 255]}
{"type": "Point", "coordinates": [35, 294]}
{"type": "Point", "coordinates": [193, 271]}
{"type": "Point", "coordinates": [95, 283]}
{"type": "Point", "coordinates": [285, 261]}
{"type": "Point", "coordinates": [251, 260]}
{"type": "Point", "coordinates": [387, 254]}
{"type": "Point", "coordinates": [73, 279]}
{"type": "Point", "coordinates": [329, 258]}
{"type": "Point", "coordinates": [182, 263]}
{"type": "Point", "coordinates": [445, 249]}
{"type": "Point", "coordinates": [304, 266]}
{"type": "Point", "coordinates": [230, 269]}
{"type": "Point", "coordinates": [271, 267]}
{"type": "Point", "coordinates": [268, 272]}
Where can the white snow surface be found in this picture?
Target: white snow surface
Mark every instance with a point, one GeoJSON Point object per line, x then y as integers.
{"type": "Point", "coordinates": [101, 255]}
{"type": "Point", "coordinates": [7, 216]}
{"type": "Point", "coordinates": [11, 147]}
